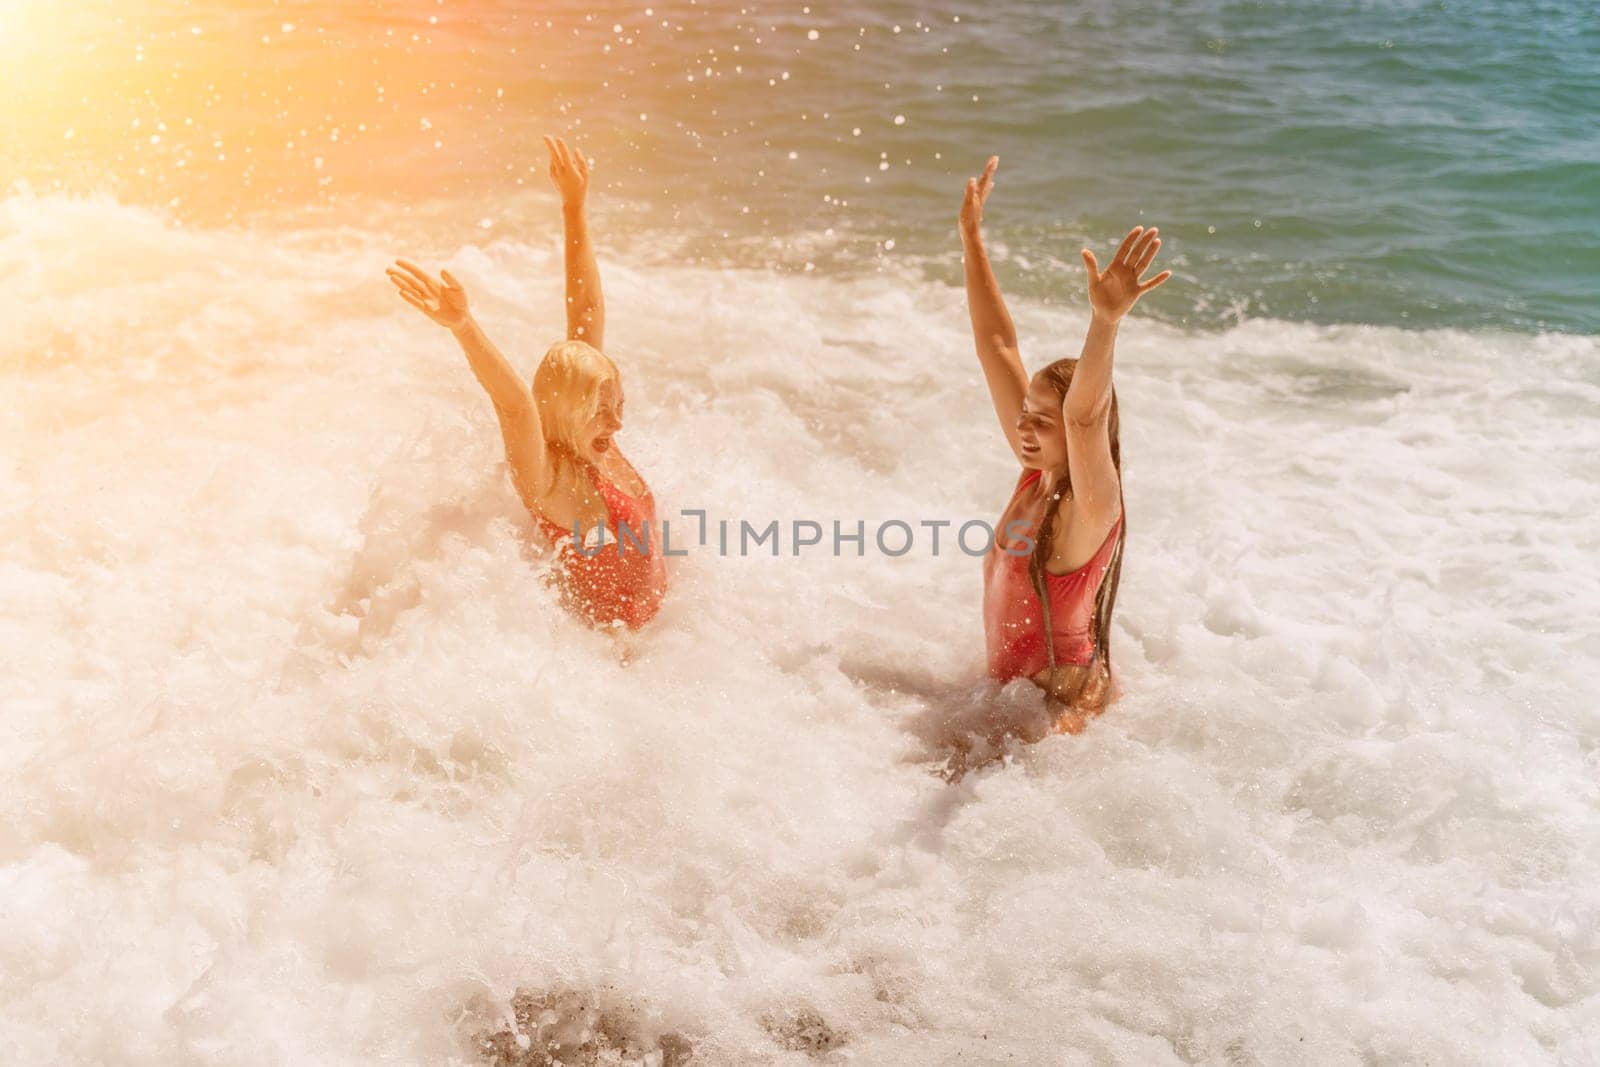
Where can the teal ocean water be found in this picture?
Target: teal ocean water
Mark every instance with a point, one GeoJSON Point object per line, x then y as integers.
{"type": "Point", "coordinates": [1399, 163]}
{"type": "Point", "coordinates": [1394, 162]}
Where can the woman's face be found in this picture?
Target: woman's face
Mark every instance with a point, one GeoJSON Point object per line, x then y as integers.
{"type": "Point", "coordinates": [1044, 438]}
{"type": "Point", "coordinates": [607, 420]}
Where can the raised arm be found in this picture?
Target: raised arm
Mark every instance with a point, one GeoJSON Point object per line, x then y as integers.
{"type": "Point", "coordinates": [445, 302]}
{"type": "Point", "coordinates": [992, 331]}
{"type": "Point", "coordinates": [586, 305]}
{"type": "Point", "coordinates": [1086, 409]}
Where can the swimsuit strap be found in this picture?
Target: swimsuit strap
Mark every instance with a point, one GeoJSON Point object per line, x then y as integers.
{"type": "Point", "coordinates": [1049, 637]}
{"type": "Point", "coordinates": [601, 485]}
{"type": "Point", "coordinates": [622, 507]}
{"type": "Point", "coordinates": [1099, 552]}
{"type": "Point", "coordinates": [601, 482]}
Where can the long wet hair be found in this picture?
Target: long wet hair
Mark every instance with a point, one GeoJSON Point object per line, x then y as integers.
{"type": "Point", "coordinates": [566, 390]}
{"type": "Point", "coordinates": [1059, 377]}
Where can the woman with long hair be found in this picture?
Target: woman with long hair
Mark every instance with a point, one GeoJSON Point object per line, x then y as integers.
{"type": "Point", "coordinates": [559, 436]}
{"type": "Point", "coordinates": [1047, 608]}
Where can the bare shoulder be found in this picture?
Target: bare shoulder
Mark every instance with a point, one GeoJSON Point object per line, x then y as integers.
{"type": "Point", "coordinates": [1084, 530]}
{"type": "Point", "coordinates": [623, 474]}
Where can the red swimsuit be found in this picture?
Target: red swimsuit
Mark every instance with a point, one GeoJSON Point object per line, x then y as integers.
{"type": "Point", "coordinates": [619, 582]}
{"type": "Point", "coordinates": [1013, 618]}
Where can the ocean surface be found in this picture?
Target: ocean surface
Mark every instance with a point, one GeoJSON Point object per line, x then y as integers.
{"type": "Point", "coordinates": [304, 765]}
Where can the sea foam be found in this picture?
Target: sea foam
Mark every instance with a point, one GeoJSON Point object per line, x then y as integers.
{"type": "Point", "coordinates": [305, 765]}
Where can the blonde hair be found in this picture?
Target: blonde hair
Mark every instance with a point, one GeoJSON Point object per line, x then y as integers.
{"type": "Point", "coordinates": [566, 391]}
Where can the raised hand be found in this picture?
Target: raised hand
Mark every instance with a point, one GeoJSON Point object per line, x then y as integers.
{"type": "Point", "coordinates": [977, 193]}
{"type": "Point", "coordinates": [1114, 291]}
{"type": "Point", "coordinates": [569, 170]}
{"type": "Point", "coordinates": [443, 301]}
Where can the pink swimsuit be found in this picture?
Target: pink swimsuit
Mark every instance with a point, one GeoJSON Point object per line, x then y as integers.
{"type": "Point", "coordinates": [1013, 618]}
{"type": "Point", "coordinates": [619, 582]}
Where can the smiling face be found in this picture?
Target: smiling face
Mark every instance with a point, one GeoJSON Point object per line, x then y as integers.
{"type": "Point", "coordinates": [579, 395]}
{"type": "Point", "coordinates": [607, 419]}
{"type": "Point", "coordinates": [1040, 428]}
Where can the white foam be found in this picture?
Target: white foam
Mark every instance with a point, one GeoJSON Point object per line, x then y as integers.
{"type": "Point", "coordinates": [301, 756]}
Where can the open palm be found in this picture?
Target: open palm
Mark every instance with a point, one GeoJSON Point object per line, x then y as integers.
{"type": "Point", "coordinates": [444, 301]}
{"type": "Point", "coordinates": [1114, 291]}
{"type": "Point", "coordinates": [569, 169]}
{"type": "Point", "coordinates": [977, 195]}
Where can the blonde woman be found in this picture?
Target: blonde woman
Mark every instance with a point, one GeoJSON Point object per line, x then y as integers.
{"type": "Point", "coordinates": [560, 436]}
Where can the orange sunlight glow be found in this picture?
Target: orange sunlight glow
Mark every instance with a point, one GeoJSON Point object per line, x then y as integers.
{"type": "Point", "coordinates": [221, 111]}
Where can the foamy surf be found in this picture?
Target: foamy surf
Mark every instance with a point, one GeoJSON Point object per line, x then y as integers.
{"type": "Point", "coordinates": [305, 766]}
